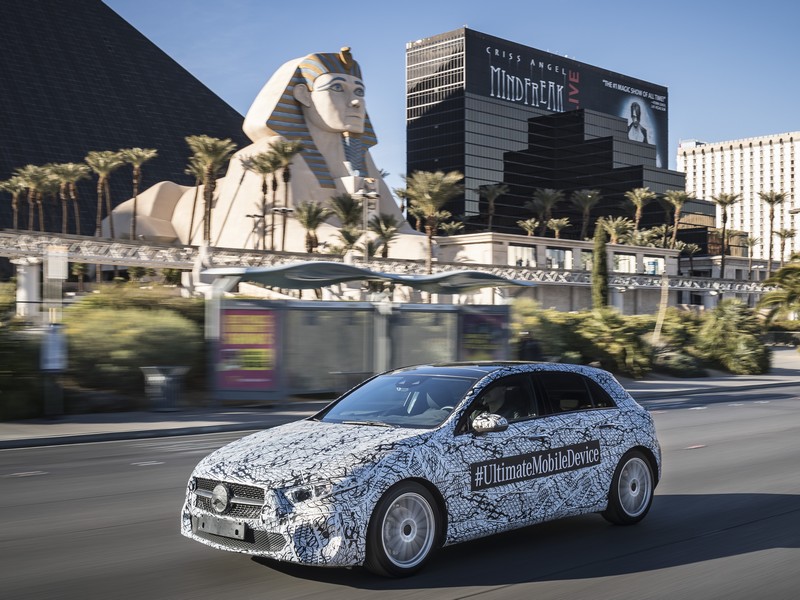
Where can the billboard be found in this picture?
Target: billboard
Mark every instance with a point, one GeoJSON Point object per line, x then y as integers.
{"type": "Point", "coordinates": [247, 349]}
{"type": "Point", "coordinates": [524, 76]}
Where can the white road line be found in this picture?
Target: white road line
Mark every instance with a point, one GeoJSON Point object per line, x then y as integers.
{"type": "Point", "coordinates": [27, 474]}
{"type": "Point", "coordinates": [147, 463]}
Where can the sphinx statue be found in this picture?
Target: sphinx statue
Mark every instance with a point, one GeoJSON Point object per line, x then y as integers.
{"type": "Point", "coordinates": [319, 101]}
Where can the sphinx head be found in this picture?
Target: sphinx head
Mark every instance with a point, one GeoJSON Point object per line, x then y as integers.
{"type": "Point", "coordinates": [331, 92]}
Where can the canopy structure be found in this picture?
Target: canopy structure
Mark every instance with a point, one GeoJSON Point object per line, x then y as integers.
{"type": "Point", "coordinates": [311, 275]}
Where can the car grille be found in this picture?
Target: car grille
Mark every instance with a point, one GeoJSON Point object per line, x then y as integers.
{"type": "Point", "coordinates": [239, 510]}
{"type": "Point", "coordinates": [257, 541]}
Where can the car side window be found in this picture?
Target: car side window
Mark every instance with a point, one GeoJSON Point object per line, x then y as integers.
{"type": "Point", "coordinates": [600, 397]}
{"type": "Point", "coordinates": [509, 397]}
{"type": "Point", "coordinates": [568, 392]}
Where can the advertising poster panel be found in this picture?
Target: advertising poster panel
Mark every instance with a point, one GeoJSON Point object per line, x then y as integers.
{"type": "Point", "coordinates": [484, 337]}
{"type": "Point", "coordinates": [524, 76]}
{"type": "Point", "coordinates": [247, 349]}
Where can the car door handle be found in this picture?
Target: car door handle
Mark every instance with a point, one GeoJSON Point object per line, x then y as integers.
{"type": "Point", "coordinates": [607, 426]}
{"type": "Point", "coordinates": [537, 438]}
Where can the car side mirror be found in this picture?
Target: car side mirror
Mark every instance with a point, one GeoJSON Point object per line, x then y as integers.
{"type": "Point", "coordinates": [488, 422]}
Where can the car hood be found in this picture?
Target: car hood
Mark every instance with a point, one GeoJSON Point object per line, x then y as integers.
{"type": "Point", "coordinates": [305, 451]}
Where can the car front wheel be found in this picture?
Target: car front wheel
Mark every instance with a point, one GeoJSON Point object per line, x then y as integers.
{"type": "Point", "coordinates": [631, 492]}
{"type": "Point", "coordinates": [403, 530]}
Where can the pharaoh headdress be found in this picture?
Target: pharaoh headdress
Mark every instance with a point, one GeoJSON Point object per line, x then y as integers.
{"type": "Point", "coordinates": [287, 118]}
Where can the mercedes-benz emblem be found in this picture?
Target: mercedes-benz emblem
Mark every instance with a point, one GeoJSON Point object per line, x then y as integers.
{"type": "Point", "coordinates": [221, 498]}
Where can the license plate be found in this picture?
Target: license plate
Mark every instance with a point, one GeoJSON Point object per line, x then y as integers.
{"type": "Point", "coordinates": [217, 526]}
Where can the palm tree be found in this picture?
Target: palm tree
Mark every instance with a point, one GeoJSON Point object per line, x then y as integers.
{"type": "Point", "coordinates": [585, 200]}
{"type": "Point", "coordinates": [542, 203]}
{"type": "Point", "coordinates": [14, 186]}
{"type": "Point", "coordinates": [136, 157]}
{"type": "Point", "coordinates": [772, 198]}
{"type": "Point", "coordinates": [451, 227]}
{"type": "Point", "coordinates": [103, 163]}
{"type": "Point", "coordinates": [557, 225]}
{"type": "Point", "coordinates": [348, 236]}
{"type": "Point", "coordinates": [784, 235]}
{"type": "Point", "coordinates": [69, 174]}
{"type": "Point", "coordinates": [386, 228]}
{"type": "Point", "coordinates": [211, 154]}
{"type": "Point", "coordinates": [311, 215]}
{"type": "Point", "coordinates": [786, 295]}
{"type": "Point", "coordinates": [194, 168]}
{"type": "Point", "coordinates": [369, 248]}
{"type": "Point", "coordinates": [616, 228]}
{"type": "Point", "coordinates": [639, 197]}
{"type": "Point", "coordinates": [347, 209]}
{"type": "Point", "coordinates": [428, 192]}
{"type": "Point", "coordinates": [79, 271]}
{"type": "Point", "coordinates": [529, 225]}
{"type": "Point", "coordinates": [690, 250]}
{"type": "Point", "coordinates": [491, 193]}
{"type": "Point", "coordinates": [751, 242]}
{"type": "Point", "coordinates": [724, 201]}
{"type": "Point", "coordinates": [285, 151]}
{"type": "Point", "coordinates": [48, 189]}
{"type": "Point", "coordinates": [677, 198]}
{"type": "Point", "coordinates": [32, 177]}
{"type": "Point", "coordinates": [262, 164]}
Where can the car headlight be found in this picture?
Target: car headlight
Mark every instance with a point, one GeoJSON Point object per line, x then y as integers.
{"type": "Point", "coordinates": [310, 491]}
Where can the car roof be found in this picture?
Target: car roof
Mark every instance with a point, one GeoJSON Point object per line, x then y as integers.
{"type": "Point", "coordinates": [479, 369]}
{"type": "Point", "coordinates": [474, 369]}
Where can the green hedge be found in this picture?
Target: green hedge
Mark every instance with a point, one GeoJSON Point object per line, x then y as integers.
{"type": "Point", "coordinates": [107, 346]}
{"type": "Point", "coordinates": [726, 338]}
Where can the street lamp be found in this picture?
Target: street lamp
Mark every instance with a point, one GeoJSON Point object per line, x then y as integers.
{"type": "Point", "coordinates": [283, 211]}
{"type": "Point", "coordinates": [263, 219]}
{"type": "Point", "coordinates": [369, 199]}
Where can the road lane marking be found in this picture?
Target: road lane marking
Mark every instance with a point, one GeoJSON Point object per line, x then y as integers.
{"type": "Point", "coordinates": [27, 474]}
{"type": "Point", "coordinates": [695, 447]}
{"type": "Point", "coordinates": [147, 463]}
{"type": "Point", "coordinates": [698, 408]}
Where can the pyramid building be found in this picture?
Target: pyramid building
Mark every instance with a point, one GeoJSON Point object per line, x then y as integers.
{"type": "Point", "coordinates": [76, 77]}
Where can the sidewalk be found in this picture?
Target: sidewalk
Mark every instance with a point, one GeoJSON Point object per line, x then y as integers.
{"type": "Point", "coordinates": [136, 425]}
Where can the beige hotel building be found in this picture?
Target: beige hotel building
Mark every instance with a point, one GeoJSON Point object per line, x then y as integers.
{"type": "Point", "coordinates": [746, 167]}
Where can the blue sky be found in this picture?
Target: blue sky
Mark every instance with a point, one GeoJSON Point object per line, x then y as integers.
{"type": "Point", "coordinates": [730, 67]}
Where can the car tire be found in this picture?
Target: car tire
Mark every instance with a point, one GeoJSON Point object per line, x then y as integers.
{"type": "Point", "coordinates": [403, 531]}
{"type": "Point", "coordinates": [631, 492]}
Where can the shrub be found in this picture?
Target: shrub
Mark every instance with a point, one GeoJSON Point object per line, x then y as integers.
{"type": "Point", "coordinates": [108, 346]}
{"type": "Point", "coordinates": [729, 339]}
{"type": "Point", "coordinates": [678, 364]}
{"type": "Point", "coordinates": [616, 343]}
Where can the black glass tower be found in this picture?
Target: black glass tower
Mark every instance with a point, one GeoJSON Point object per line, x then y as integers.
{"type": "Point", "coordinates": [503, 113]}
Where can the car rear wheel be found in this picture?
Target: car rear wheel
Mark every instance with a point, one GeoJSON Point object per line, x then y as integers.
{"type": "Point", "coordinates": [631, 492]}
{"type": "Point", "coordinates": [403, 530]}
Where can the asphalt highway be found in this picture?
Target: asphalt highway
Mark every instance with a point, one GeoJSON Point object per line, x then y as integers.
{"type": "Point", "coordinates": [100, 520]}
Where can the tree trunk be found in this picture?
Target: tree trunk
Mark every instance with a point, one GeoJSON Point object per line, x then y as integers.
{"type": "Point", "coordinates": [99, 221]}
{"type": "Point", "coordinates": [75, 207]}
{"type": "Point", "coordinates": [107, 187]}
{"type": "Point", "coordinates": [137, 174]}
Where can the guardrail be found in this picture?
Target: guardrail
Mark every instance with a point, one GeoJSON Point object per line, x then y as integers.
{"type": "Point", "coordinates": [22, 245]}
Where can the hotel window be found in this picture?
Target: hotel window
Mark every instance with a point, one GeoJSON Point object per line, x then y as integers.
{"type": "Point", "coordinates": [625, 263]}
{"type": "Point", "coordinates": [522, 256]}
{"type": "Point", "coordinates": [654, 265]}
{"type": "Point", "coordinates": [559, 258]}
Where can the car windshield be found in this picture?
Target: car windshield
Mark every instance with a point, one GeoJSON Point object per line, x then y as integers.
{"type": "Point", "coordinates": [401, 400]}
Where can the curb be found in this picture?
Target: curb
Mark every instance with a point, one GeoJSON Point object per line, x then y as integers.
{"type": "Point", "coordinates": [117, 436]}
{"type": "Point", "coordinates": [644, 396]}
